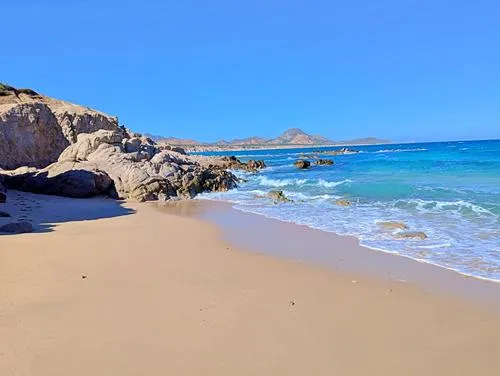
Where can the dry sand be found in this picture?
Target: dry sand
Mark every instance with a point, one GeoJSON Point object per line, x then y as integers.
{"type": "Point", "coordinates": [152, 293]}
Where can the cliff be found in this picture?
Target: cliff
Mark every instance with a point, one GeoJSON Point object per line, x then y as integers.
{"type": "Point", "coordinates": [35, 129]}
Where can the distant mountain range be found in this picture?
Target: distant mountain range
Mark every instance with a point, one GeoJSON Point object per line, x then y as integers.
{"type": "Point", "coordinates": [293, 136]}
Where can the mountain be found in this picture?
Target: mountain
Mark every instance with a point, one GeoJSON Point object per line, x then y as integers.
{"type": "Point", "coordinates": [296, 136]}
{"type": "Point", "coordinates": [292, 136]}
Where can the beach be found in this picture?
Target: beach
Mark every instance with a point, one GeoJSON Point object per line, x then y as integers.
{"type": "Point", "coordinates": [108, 288]}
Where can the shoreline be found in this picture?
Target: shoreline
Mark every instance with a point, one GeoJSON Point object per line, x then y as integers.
{"type": "Point", "coordinates": [325, 252]}
{"type": "Point", "coordinates": [386, 251]}
{"type": "Point", "coordinates": [138, 288]}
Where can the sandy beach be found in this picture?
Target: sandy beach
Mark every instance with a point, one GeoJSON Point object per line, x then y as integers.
{"type": "Point", "coordinates": [109, 288]}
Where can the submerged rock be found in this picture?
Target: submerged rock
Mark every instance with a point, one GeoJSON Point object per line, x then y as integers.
{"type": "Point", "coordinates": [278, 196]}
{"type": "Point", "coordinates": [393, 225]}
{"type": "Point", "coordinates": [343, 202]}
{"type": "Point", "coordinates": [302, 164]}
{"type": "Point", "coordinates": [16, 228]}
{"type": "Point", "coordinates": [323, 162]}
{"type": "Point", "coordinates": [411, 235]}
{"type": "Point", "coordinates": [4, 214]}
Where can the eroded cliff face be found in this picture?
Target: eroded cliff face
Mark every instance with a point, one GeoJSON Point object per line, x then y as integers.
{"type": "Point", "coordinates": [34, 129]}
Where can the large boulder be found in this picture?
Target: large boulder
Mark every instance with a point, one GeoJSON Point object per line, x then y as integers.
{"type": "Point", "coordinates": [35, 129]}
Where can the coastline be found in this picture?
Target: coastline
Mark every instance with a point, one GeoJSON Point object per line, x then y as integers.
{"type": "Point", "coordinates": [139, 288]}
{"type": "Point", "coordinates": [341, 253]}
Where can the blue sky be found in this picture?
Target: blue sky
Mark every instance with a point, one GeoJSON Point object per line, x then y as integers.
{"type": "Point", "coordinates": [398, 69]}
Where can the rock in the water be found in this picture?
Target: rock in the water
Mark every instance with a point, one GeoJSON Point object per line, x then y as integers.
{"type": "Point", "coordinates": [419, 235]}
{"type": "Point", "coordinates": [4, 214]}
{"type": "Point", "coordinates": [302, 163]}
{"type": "Point", "coordinates": [231, 163]}
{"type": "Point", "coordinates": [16, 228]}
{"type": "Point", "coordinates": [323, 162]}
{"type": "Point", "coordinates": [393, 225]}
{"type": "Point", "coordinates": [343, 202]}
{"type": "Point", "coordinates": [255, 165]}
{"type": "Point", "coordinates": [278, 196]}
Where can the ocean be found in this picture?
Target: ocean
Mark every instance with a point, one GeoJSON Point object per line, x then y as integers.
{"type": "Point", "coordinates": [448, 190]}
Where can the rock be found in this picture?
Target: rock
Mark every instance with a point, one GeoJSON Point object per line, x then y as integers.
{"type": "Point", "coordinates": [419, 235]}
{"type": "Point", "coordinates": [255, 165]}
{"type": "Point", "coordinates": [230, 162]}
{"type": "Point", "coordinates": [278, 196]}
{"type": "Point", "coordinates": [343, 202]}
{"type": "Point", "coordinates": [302, 163]}
{"type": "Point", "coordinates": [393, 225]}
{"type": "Point", "coordinates": [35, 130]}
{"type": "Point", "coordinates": [16, 228]}
{"type": "Point", "coordinates": [99, 163]}
{"type": "Point", "coordinates": [4, 214]}
{"type": "Point", "coordinates": [323, 162]}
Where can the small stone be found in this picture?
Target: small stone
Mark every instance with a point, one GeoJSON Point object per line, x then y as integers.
{"type": "Point", "coordinates": [292, 303]}
{"type": "Point", "coordinates": [84, 276]}
{"type": "Point", "coordinates": [4, 214]}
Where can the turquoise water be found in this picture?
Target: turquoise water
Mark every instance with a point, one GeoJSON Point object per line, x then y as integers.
{"type": "Point", "coordinates": [449, 190]}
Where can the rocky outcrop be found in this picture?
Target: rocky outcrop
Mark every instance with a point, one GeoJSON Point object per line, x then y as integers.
{"type": "Point", "coordinates": [35, 129]}
{"type": "Point", "coordinates": [231, 163]}
{"type": "Point", "coordinates": [323, 162]}
{"type": "Point", "coordinates": [302, 164]}
{"type": "Point", "coordinates": [112, 163]}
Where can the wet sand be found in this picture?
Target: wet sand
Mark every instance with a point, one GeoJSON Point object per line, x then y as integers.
{"type": "Point", "coordinates": [136, 289]}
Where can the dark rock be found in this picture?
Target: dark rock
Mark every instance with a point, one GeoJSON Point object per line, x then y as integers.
{"type": "Point", "coordinates": [323, 162]}
{"type": "Point", "coordinates": [302, 163]}
{"type": "Point", "coordinates": [77, 183]}
{"type": "Point", "coordinates": [4, 214]}
{"type": "Point", "coordinates": [17, 228]}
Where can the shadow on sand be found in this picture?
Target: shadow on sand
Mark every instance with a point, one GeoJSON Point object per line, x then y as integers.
{"type": "Point", "coordinates": [45, 212]}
